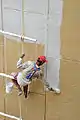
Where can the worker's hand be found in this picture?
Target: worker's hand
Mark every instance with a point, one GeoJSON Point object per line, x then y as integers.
{"type": "Point", "coordinates": [22, 55]}
{"type": "Point", "coordinates": [22, 38]}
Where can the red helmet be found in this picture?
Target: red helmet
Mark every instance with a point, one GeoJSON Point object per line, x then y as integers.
{"type": "Point", "coordinates": [42, 59]}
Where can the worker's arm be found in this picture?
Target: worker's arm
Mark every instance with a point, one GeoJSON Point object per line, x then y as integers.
{"type": "Point", "coordinates": [31, 69]}
{"type": "Point", "coordinates": [19, 63]}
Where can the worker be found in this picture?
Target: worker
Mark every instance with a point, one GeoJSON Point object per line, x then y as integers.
{"type": "Point", "coordinates": [27, 71]}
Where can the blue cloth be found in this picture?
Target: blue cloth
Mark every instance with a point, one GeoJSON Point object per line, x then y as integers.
{"type": "Point", "coordinates": [33, 71]}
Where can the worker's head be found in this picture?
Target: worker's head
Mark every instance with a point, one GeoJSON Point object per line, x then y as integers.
{"type": "Point", "coordinates": [41, 60]}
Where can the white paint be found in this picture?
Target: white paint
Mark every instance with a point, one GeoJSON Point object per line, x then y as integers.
{"type": "Point", "coordinates": [53, 73]}
{"type": "Point", "coordinates": [35, 26]}
{"type": "Point", "coordinates": [54, 41]}
{"type": "Point", "coordinates": [10, 116]}
{"type": "Point", "coordinates": [13, 4]}
{"type": "Point", "coordinates": [36, 6]}
{"type": "Point", "coordinates": [56, 11]}
{"type": "Point", "coordinates": [53, 45]}
{"type": "Point", "coordinates": [12, 21]}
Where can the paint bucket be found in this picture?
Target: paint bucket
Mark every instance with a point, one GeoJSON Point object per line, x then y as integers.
{"type": "Point", "coordinates": [9, 87]}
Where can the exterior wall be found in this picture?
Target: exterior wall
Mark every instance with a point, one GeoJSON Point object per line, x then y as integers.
{"type": "Point", "coordinates": [37, 15]}
{"type": "Point", "coordinates": [65, 106]}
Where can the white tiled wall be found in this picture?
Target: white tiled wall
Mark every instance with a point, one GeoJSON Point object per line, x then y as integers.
{"type": "Point", "coordinates": [35, 26]}
{"type": "Point", "coordinates": [37, 6]}
{"type": "Point", "coordinates": [12, 21]}
{"type": "Point", "coordinates": [56, 11]}
{"type": "Point", "coordinates": [13, 4]}
{"type": "Point", "coordinates": [34, 17]}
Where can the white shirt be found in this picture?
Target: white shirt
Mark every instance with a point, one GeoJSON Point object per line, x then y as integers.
{"type": "Point", "coordinates": [27, 67]}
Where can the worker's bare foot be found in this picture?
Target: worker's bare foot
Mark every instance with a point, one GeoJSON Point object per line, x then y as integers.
{"type": "Point", "coordinates": [26, 95]}
{"type": "Point", "coordinates": [20, 93]}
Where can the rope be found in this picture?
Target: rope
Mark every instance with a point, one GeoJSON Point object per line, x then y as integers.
{"type": "Point", "coordinates": [48, 2]}
{"type": "Point", "coordinates": [19, 97]}
{"type": "Point", "coordinates": [4, 68]}
{"type": "Point", "coordinates": [36, 51]}
{"type": "Point", "coordinates": [20, 107]}
{"type": "Point", "coordinates": [22, 50]}
{"type": "Point", "coordinates": [4, 71]}
{"type": "Point", "coordinates": [22, 39]}
{"type": "Point", "coordinates": [5, 60]}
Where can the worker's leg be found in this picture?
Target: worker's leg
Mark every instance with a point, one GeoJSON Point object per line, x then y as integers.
{"type": "Point", "coordinates": [25, 89]}
{"type": "Point", "coordinates": [18, 86]}
{"type": "Point", "coordinates": [14, 74]}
